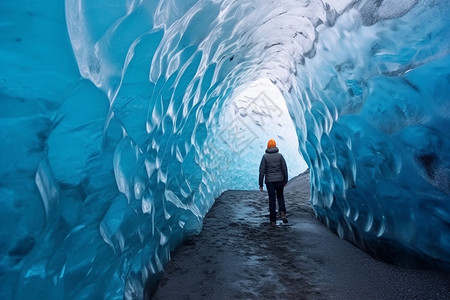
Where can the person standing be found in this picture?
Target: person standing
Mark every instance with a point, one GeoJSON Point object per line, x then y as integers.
{"type": "Point", "coordinates": [273, 168]}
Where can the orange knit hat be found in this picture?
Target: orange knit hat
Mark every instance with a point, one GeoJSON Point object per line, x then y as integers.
{"type": "Point", "coordinates": [271, 144]}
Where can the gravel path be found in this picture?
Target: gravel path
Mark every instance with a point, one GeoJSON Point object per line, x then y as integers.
{"type": "Point", "coordinates": [239, 255]}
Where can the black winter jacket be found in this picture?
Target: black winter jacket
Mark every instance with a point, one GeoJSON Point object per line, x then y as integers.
{"type": "Point", "coordinates": [273, 167]}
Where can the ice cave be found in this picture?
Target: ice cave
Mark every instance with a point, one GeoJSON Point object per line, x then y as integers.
{"type": "Point", "coordinates": [121, 121]}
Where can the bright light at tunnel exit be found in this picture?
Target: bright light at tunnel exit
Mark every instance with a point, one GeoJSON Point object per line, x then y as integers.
{"type": "Point", "coordinates": [255, 115]}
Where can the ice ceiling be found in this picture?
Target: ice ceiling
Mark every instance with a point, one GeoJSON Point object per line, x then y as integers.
{"type": "Point", "coordinates": [122, 120]}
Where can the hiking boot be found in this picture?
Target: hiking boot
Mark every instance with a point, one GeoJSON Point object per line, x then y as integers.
{"type": "Point", "coordinates": [283, 217]}
{"type": "Point", "coordinates": [273, 223]}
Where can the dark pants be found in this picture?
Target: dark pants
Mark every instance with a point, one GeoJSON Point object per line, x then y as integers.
{"type": "Point", "coordinates": [278, 188]}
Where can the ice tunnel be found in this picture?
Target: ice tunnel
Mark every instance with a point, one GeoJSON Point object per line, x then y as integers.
{"type": "Point", "coordinates": [121, 121]}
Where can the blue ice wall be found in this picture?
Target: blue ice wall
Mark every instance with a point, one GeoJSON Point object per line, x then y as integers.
{"type": "Point", "coordinates": [379, 145]}
{"type": "Point", "coordinates": [111, 112]}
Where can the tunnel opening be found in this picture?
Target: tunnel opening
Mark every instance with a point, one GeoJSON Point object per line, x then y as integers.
{"type": "Point", "coordinates": [252, 116]}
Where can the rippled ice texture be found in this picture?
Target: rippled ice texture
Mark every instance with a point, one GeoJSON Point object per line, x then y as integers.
{"type": "Point", "coordinates": [103, 174]}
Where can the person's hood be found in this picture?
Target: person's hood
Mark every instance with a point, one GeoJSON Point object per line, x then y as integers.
{"type": "Point", "coordinates": [272, 150]}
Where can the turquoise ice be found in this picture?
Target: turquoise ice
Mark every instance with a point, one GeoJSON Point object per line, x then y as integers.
{"type": "Point", "coordinates": [122, 120]}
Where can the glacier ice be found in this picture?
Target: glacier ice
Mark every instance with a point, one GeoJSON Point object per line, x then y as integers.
{"type": "Point", "coordinates": [121, 121]}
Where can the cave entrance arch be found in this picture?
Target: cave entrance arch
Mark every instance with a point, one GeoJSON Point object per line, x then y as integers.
{"type": "Point", "coordinates": [254, 115]}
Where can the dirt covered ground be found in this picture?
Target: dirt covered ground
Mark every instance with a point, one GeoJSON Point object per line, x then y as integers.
{"type": "Point", "coordinates": [239, 255]}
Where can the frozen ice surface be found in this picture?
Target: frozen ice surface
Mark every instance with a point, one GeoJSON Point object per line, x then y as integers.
{"type": "Point", "coordinates": [122, 120]}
